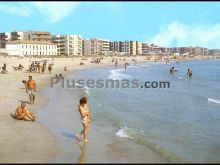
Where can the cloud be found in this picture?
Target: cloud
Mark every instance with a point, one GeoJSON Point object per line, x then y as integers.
{"type": "Point", "coordinates": [179, 34]}
{"type": "Point", "coordinates": [55, 11]}
{"type": "Point", "coordinates": [20, 10]}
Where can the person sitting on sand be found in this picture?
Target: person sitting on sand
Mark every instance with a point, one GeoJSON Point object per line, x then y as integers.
{"type": "Point", "coordinates": [65, 68]}
{"type": "Point", "coordinates": [84, 119]}
{"type": "Point", "coordinates": [31, 89]}
{"type": "Point", "coordinates": [189, 73]}
{"type": "Point", "coordinates": [22, 113]}
{"type": "Point", "coordinates": [4, 69]}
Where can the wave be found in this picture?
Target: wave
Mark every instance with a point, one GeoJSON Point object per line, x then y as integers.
{"type": "Point", "coordinates": [85, 88]}
{"type": "Point", "coordinates": [144, 65]}
{"type": "Point", "coordinates": [214, 100]}
{"type": "Point", "coordinates": [115, 75]}
{"type": "Point", "coordinates": [136, 137]}
{"type": "Point", "coordinates": [124, 133]}
{"type": "Point", "coordinates": [132, 66]}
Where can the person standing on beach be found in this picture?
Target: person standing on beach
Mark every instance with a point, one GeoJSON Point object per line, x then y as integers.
{"type": "Point", "coordinates": [84, 119]}
{"type": "Point", "coordinates": [50, 68]}
{"type": "Point", "coordinates": [38, 67]}
{"type": "Point", "coordinates": [125, 66]}
{"type": "Point", "coordinates": [31, 89]}
{"type": "Point", "coordinates": [189, 73]}
{"type": "Point", "coordinates": [116, 63]}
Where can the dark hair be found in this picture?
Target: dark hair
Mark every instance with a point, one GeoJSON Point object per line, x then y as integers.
{"type": "Point", "coordinates": [24, 81]}
{"type": "Point", "coordinates": [30, 76]}
{"type": "Point", "coordinates": [83, 101]}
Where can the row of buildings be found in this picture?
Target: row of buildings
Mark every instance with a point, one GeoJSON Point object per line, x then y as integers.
{"type": "Point", "coordinates": [32, 43]}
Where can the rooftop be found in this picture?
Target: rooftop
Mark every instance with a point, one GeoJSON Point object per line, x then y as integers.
{"type": "Point", "coordinates": [31, 42]}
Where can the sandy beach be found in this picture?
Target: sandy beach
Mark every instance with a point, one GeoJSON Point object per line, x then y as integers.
{"type": "Point", "coordinates": [33, 142]}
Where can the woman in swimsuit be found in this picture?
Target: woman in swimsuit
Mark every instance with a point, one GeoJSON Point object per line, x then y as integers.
{"type": "Point", "coordinates": [84, 119]}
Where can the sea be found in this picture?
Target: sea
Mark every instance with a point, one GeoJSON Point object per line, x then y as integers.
{"type": "Point", "coordinates": [179, 124]}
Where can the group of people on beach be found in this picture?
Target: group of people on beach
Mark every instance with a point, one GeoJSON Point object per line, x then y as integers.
{"type": "Point", "coordinates": [21, 112]}
{"type": "Point", "coordinates": [36, 67]}
{"type": "Point", "coordinates": [188, 74]}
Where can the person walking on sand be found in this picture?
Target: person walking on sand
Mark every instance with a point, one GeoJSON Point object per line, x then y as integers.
{"type": "Point", "coordinates": [31, 89]}
{"type": "Point", "coordinates": [50, 68]}
{"type": "Point", "coordinates": [22, 113]}
{"type": "Point", "coordinates": [84, 119]}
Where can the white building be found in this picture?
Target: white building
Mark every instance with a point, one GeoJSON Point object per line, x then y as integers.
{"type": "Point", "coordinates": [68, 44]}
{"type": "Point", "coordinates": [31, 48]}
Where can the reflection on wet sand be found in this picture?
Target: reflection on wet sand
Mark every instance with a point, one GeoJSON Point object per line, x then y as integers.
{"type": "Point", "coordinates": [82, 156]}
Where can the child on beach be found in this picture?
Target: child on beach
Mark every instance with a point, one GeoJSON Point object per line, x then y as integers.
{"type": "Point", "coordinates": [84, 119]}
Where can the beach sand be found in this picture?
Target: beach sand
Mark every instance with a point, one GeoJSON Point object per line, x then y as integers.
{"type": "Point", "coordinates": [33, 142]}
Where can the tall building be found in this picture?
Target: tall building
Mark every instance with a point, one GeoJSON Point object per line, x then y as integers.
{"type": "Point", "coordinates": [59, 40]}
{"type": "Point", "coordinates": [31, 48]}
{"type": "Point", "coordinates": [69, 45]}
{"type": "Point", "coordinates": [139, 48]}
{"type": "Point", "coordinates": [145, 48]}
{"type": "Point", "coordinates": [114, 46]}
{"type": "Point", "coordinates": [96, 46]}
{"type": "Point", "coordinates": [197, 51]}
{"type": "Point", "coordinates": [133, 47]}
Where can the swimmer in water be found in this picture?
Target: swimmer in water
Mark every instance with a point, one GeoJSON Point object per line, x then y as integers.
{"type": "Point", "coordinates": [189, 73]}
{"type": "Point", "coordinates": [172, 71]}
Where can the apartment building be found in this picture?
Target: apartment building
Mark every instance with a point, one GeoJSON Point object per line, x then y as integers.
{"type": "Point", "coordinates": [31, 48]}
{"type": "Point", "coordinates": [96, 46]}
{"type": "Point", "coordinates": [115, 46]}
{"type": "Point", "coordinates": [38, 36]}
{"type": "Point", "coordinates": [145, 48]}
{"type": "Point", "coordinates": [139, 48]}
{"type": "Point", "coordinates": [68, 45]}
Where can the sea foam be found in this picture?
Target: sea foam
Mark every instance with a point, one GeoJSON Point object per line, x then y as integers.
{"type": "Point", "coordinates": [214, 101]}
{"type": "Point", "coordinates": [124, 133]}
{"type": "Point", "coordinates": [115, 75]}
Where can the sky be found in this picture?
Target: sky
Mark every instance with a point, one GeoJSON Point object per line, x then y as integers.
{"type": "Point", "coordinates": [167, 24]}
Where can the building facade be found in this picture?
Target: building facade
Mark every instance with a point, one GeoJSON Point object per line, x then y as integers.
{"type": "Point", "coordinates": [68, 45]}
{"type": "Point", "coordinates": [31, 48]}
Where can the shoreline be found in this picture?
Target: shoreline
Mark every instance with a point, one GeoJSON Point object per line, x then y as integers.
{"type": "Point", "coordinates": [49, 145]}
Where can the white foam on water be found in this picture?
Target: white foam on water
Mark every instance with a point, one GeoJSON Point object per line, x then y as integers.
{"type": "Point", "coordinates": [115, 75]}
{"type": "Point", "coordinates": [132, 66]}
{"type": "Point", "coordinates": [214, 100]}
{"type": "Point", "coordinates": [86, 89]}
{"type": "Point", "coordinates": [124, 133]}
{"type": "Point", "coordinates": [144, 65]}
